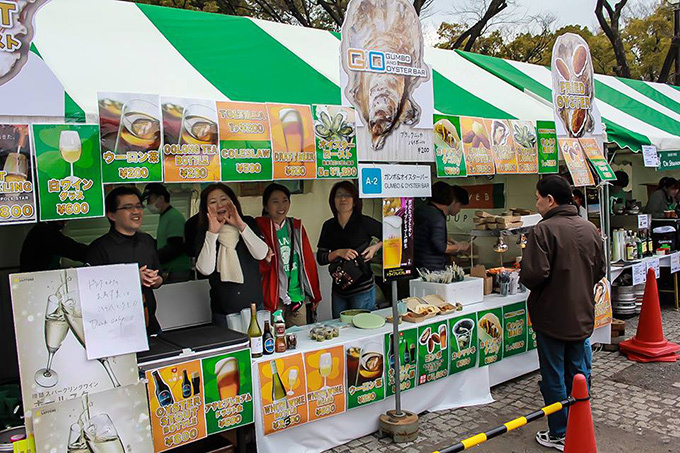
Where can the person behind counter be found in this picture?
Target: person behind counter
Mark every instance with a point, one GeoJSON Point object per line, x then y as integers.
{"type": "Point", "coordinates": [344, 245]}
{"type": "Point", "coordinates": [46, 244]}
{"type": "Point", "coordinates": [230, 254]}
{"type": "Point", "coordinates": [125, 243]}
{"type": "Point", "coordinates": [663, 198]}
{"type": "Point", "coordinates": [288, 279]}
{"type": "Point", "coordinates": [617, 195]}
{"type": "Point", "coordinates": [579, 201]}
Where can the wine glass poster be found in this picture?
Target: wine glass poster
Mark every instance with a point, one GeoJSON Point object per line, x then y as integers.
{"type": "Point", "coordinates": [17, 190]}
{"type": "Point", "coordinates": [113, 421]}
{"type": "Point", "coordinates": [325, 382]}
{"type": "Point", "coordinates": [69, 172]}
{"type": "Point", "coordinates": [50, 337]}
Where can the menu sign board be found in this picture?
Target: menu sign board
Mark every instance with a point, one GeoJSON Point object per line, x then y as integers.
{"type": "Point", "coordinates": [293, 141]}
{"type": "Point", "coordinates": [490, 333]}
{"type": "Point", "coordinates": [576, 162]}
{"type": "Point", "coordinates": [325, 369]}
{"type": "Point", "coordinates": [17, 189]}
{"type": "Point", "coordinates": [283, 391]}
{"type": "Point", "coordinates": [524, 135]}
{"type": "Point", "coordinates": [514, 329]}
{"type": "Point", "coordinates": [547, 147]}
{"type": "Point", "coordinates": [463, 330]}
{"type": "Point", "coordinates": [433, 356]}
{"type": "Point", "coordinates": [407, 360]}
{"type": "Point", "coordinates": [479, 159]}
{"type": "Point", "coordinates": [503, 146]}
{"type": "Point", "coordinates": [603, 303]}
{"type": "Point", "coordinates": [448, 147]}
{"type": "Point", "coordinates": [398, 247]}
{"type": "Point", "coordinates": [336, 149]}
{"type": "Point", "coordinates": [365, 361]}
{"type": "Point", "coordinates": [593, 151]}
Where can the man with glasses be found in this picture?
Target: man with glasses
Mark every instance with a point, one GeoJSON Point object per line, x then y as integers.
{"type": "Point", "coordinates": [125, 243]}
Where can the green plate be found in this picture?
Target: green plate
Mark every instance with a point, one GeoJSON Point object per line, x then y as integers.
{"type": "Point", "coordinates": [368, 321]}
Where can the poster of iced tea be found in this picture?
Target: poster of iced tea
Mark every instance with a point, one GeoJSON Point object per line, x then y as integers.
{"type": "Point", "coordinates": [17, 190]}
{"type": "Point", "coordinates": [336, 149]}
{"type": "Point", "coordinates": [407, 360]}
{"type": "Point", "coordinates": [228, 391]}
{"type": "Point", "coordinates": [130, 126]}
{"type": "Point", "coordinates": [190, 140]}
{"type": "Point", "coordinates": [365, 363]}
{"type": "Point", "coordinates": [293, 141]}
{"type": "Point", "coordinates": [325, 382]}
{"type": "Point", "coordinates": [176, 404]}
{"type": "Point", "coordinates": [502, 145]}
{"type": "Point", "coordinates": [463, 344]}
{"type": "Point", "coordinates": [245, 141]}
{"type": "Point", "coordinates": [283, 391]}
{"type": "Point", "coordinates": [397, 237]}
{"type": "Point", "coordinates": [433, 356]}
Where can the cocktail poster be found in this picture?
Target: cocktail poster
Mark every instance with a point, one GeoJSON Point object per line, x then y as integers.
{"type": "Point", "coordinates": [448, 147]}
{"type": "Point", "coordinates": [176, 404]}
{"type": "Point", "coordinates": [325, 382]}
{"type": "Point", "coordinates": [514, 329]}
{"type": "Point", "coordinates": [365, 363]}
{"type": "Point", "coordinates": [408, 356]}
{"type": "Point", "coordinates": [336, 149]}
{"type": "Point", "coordinates": [479, 159]}
{"type": "Point", "coordinates": [116, 420]}
{"type": "Point", "coordinates": [463, 344]}
{"type": "Point", "coordinates": [283, 391]}
{"type": "Point", "coordinates": [130, 137]}
{"type": "Point", "coordinates": [17, 189]}
{"type": "Point", "coordinates": [50, 337]}
{"type": "Point", "coordinates": [524, 138]}
{"type": "Point", "coordinates": [433, 352]}
{"type": "Point", "coordinates": [398, 246]}
{"type": "Point", "coordinates": [293, 141]}
{"type": "Point", "coordinates": [69, 171]}
{"type": "Point", "coordinates": [502, 145]}
{"type": "Point", "coordinates": [490, 334]}
{"type": "Point", "coordinates": [245, 141]}
{"type": "Point", "coordinates": [190, 140]}
{"type": "Point", "coordinates": [228, 391]}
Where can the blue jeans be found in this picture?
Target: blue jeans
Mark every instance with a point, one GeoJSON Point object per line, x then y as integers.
{"type": "Point", "coordinates": [559, 362]}
{"type": "Point", "coordinates": [364, 300]}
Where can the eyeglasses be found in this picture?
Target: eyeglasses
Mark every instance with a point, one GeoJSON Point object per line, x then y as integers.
{"type": "Point", "coordinates": [343, 195]}
{"type": "Point", "coordinates": [131, 207]}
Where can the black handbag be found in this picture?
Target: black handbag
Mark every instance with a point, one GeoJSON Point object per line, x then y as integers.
{"type": "Point", "coordinates": [346, 273]}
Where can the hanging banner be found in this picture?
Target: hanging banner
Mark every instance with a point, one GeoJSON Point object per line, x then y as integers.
{"type": "Point", "coordinates": [669, 160]}
{"type": "Point", "coordinates": [502, 145]}
{"type": "Point", "coordinates": [479, 158]}
{"type": "Point", "coordinates": [448, 147]}
{"type": "Point", "coordinates": [336, 149]}
{"type": "Point", "coordinates": [514, 329]}
{"type": "Point", "coordinates": [524, 139]}
{"type": "Point", "coordinates": [490, 333]}
{"type": "Point", "coordinates": [548, 158]}
{"type": "Point", "coordinates": [433, 355]}
{"type": "Point", "coordinates": [130, 137]}
{"type": "Point", "coordinates": [398, 247]}
{"type": "Point", "coordinates": [387, 181]}
{"type": "Point", "coordinates": [365, 360]}
{"type": "Point", "coordinates": [325, 370]}
{"type": "Point", "coordinates": [190, 140]}
{"type": "Point", "coordinates": [384, 76]}
{"type": "Point", "coordinates": [17, 189]}
{"type": "Point", "coordinates": [283, 391]}
{"type": "Point", "coordinates": [293, 142]}
{"type": "Point", "coordinates": [69, 171]}
{"type": "Point", "coordinates": [576, 162]}
{"type": "Point", "coordinates": [593, 151]}
{"type": "Point", "coordinates": [603, 303]}
{"type": "Point", "coordinates": [245, 141]}
{"type": "Point", "coordinates": [463, 334]}
{"type": "Point", "coordinates": [407, 360]}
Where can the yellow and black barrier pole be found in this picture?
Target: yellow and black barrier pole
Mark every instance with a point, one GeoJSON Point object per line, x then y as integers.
{"type": "Point", "coordinates": [509, 426]}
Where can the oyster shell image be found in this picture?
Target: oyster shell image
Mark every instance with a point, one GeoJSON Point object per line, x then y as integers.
{"type": "Point", "coordinates": [12, 61]}
{"type": "Point", "coordinates": [384, 100]}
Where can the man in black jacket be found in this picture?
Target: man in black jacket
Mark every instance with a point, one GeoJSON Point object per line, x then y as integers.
{"type": "Point", "coordinates": [430, 237]}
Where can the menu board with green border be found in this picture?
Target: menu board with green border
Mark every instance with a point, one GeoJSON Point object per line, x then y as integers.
{"type": "Point", "coordinates": [490, 333]}
{"type": "Point", "coordinates": [433, 357]}
{"type": "Point", "coordinates": [407, 360]}
{"type": "Point", "coordinates": [514, 329]}
{"type": "Point", "coordinates": [463, 344]}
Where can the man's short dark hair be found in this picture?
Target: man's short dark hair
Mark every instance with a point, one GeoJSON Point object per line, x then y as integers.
{"type": "Point", "coordinates": [460, 195]}
{"type": "Point", "coordinates": [556, 186]}
{"type": "Point", "coordinates": [442, 193]}
{"type": "Point", "coordinates": [111, 201]}
{"type": "Point", "coordinates": [158, 189]}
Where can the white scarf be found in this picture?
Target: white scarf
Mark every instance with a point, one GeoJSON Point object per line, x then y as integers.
{"type": "Point", "coordinates": [228, 264]}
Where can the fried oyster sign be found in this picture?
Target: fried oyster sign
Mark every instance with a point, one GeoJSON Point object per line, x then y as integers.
{"type": "Point", "coordinates": [16, 33]}
{"type": "Point", "coordinates": [385, 78]}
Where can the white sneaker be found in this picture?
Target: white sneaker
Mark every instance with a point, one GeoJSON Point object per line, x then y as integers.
{"type": "Point", "coordinates": [544, 438]}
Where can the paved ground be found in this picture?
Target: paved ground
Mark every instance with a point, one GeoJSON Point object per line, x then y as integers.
{"type": "Point", "coordinates": [636, 407]}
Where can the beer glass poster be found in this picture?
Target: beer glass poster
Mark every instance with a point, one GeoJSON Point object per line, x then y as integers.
{"type": "Point", "coordinates": [448, 147]}
{"type": "Point", "coordinates": [514, 329]}
{"type": "Point", "coordinates": [130, 137]}
{"type": "Point", "coordinates": [325, 382]}
{"type": "Point", "coordinates": [463, 344]}
{"type": "Point", "coordinates": [190, 140]}
{"type": "Point", "coordinates": [398, 247]}
{"type": "Point", "coordinates": [228, 391]}
{"type": "Point", "coordinates": [115, 420]}
{"type": "Point", "coordinates": [176, 405]}
{"type": "Point", "coordinates": [335, 132]}
{"type": "Point", "coordinates": [490, 334]}
{"type": "Point", "coordinates": [50, 336]}
{"type": "Point", "coordinates": [283, 392]}
{"type": "Point", "coordinates": [69, 172]}
{"type": "Point", "coordinates": [293, 141]}
{"type": "Point", "coordinates": [17, 196]}
{"type": "Point", "coordinates": [433, 356]}
{"type": "Point", "coordinates": [407, 355]}
{"type": "Point", "coordinates": [365, 362]}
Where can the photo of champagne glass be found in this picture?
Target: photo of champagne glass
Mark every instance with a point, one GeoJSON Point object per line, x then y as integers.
{"type": "Point", "coordinates": [199, 125]}
{"type": "Point", "coordinates": [71, 149]}
{"type": "Point", "coordinates": [101, 435]}
{"type": "Point", "coordinates": [76, 440]}
{"type": "Point", "coordinates": [292, 379]}
{"type": "Point", "coordinates": [325, 367]}
{"type": "Point", "coordinates": [56, 329]}
{"type": "Point", "coordinates": [139, 128]}
{"type": "Point", "coordinates": [228, 377]}
{"type": "Point", "coordinates": [293, 129]}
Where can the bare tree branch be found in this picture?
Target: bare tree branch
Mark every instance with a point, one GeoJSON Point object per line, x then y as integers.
{"type": "Point", "coordinates": [470, 35]}
{"type": "Point", "coordinates": [668, 62]}
{"type": "Point", "coordinates": [332, 13]}
{"type": "Point", "coordinates": [611, 30]}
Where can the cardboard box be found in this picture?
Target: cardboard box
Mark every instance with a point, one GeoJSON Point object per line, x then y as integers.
{"type": "Point", "coordinates": [479, 271]}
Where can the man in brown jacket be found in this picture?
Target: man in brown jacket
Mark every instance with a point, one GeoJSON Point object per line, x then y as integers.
{"type": "Point", "coordinates": [563, 261]}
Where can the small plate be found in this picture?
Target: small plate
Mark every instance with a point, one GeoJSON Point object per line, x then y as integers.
{"type": "Point", "coordinates": [368, 321]}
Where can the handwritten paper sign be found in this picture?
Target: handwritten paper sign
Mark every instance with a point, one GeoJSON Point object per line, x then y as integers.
{"type": "Point", "coordinates": [113, 317]}
{"type": "Point", "coordinates": [643, 221]}
{"type": "Point", "coordinates": [639, 273]}
{"type": "Point", "coordinates": [650, 156]}
{"type": "Point", "coordinates": [654, 264]}
{"type": "Point", "coordinates": [675, 263]}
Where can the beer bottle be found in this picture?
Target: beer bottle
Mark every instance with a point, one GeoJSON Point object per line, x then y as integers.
{"type": "Point", "coordinates": [186, 385]}
{"type": "Point", "coordinates": [254, 333]}
{"type": "Point", "coordinates": [268, 339]}
{"type": "Point", "coordinates": [163, 393]}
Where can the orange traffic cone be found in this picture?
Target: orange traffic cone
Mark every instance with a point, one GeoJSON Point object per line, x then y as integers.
{"type": "Point", "coordinates": [580, 429]}
{"type": "Point", "coordinates": [649, 342]}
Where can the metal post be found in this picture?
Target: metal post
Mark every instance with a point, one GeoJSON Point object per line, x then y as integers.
{"type": "Point", "coordinates": [676, 34]}
{"type": "Point", "coordinates": [395, 351]}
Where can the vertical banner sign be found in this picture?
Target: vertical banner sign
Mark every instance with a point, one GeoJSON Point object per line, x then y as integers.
{"type": "Point", "coordinates": [336, 149]}
{"type": "Point", "coordinates": [603, 303]}
{"type": "Point", "coordinates": [524, 135]}
{"type": "Point", "coordinates": [490, 333]}
{"type": "Point", "coordinates": [130, 137]}
{"type": "Point", "coordinates": [514, 329]}
{"type": "Point", "coordinates": [448, 147]}
{"type": "Point", "coordinates": [293, 141]}
{"type": "Point", "coordinates": [69, 171]}
{"type": "Point", "coordinates": [398, 244]}
{"type": "Point", "coordinates": [365, 363]}
{"type": "Point", "coordinates": [176, 406]}
{"type": "Point", "coordinates": [384, 76]}
{"type": "Point", "coordinates": [190, 140]}
{"type": "Point", "coordinates": [228, 391]}
{"type": "Point", "coordinates": [17, 189]}
{"type": "Point", "coordinates": [463, 344]}
{"type": "Point", "coordinates": [407, 360]}
{"type": "Point", "coordinates": [593, 151]}
{"type": "Point", "coordinates": [433, 355]}
{"type": "Point", "coordinates": [325, 382]}
{"type": "Point", "coordinates": [245, 142]}
{"type": "Point", "coordinates": [479, 158]}
{"type": "Point", "coordinates": [547, 147]}
{"type": "Point", "coordinates": [576, 162]}
{"type": "Point", "coordinates": [283, 391]}
{"type": "Point", "coordinates": [502, 145]}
